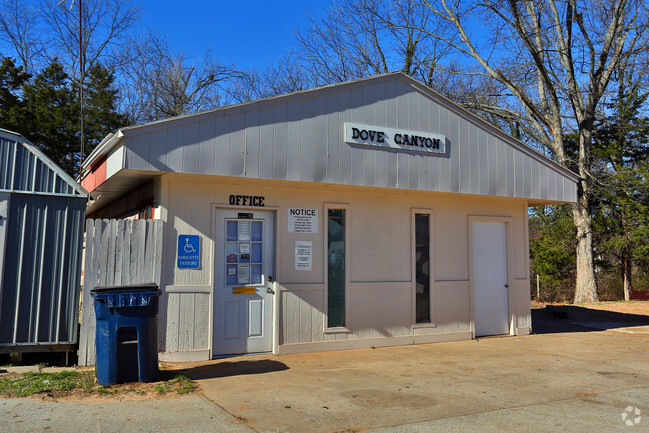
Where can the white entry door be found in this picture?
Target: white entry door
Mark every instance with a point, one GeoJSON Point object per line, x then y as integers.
{"type": "Point", "coordinates": [243, 298]}
{"type": "Point", "coordinates": [490, 285]}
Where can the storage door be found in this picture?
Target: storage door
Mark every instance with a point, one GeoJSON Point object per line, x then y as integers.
{"type": "Point", "coordinates": [490, 286]}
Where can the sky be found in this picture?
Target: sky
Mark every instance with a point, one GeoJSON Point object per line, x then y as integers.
{"type": "Point", "coordinates": [247, 34]}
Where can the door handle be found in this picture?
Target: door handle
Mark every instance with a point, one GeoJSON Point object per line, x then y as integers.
{"type": "Point", "coordinates": [270, 278]}
{"type": "Point", "coordinates": [270, 291]}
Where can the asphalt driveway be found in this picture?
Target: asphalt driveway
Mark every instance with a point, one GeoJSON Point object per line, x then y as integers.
{"type": "Point", "coordinates": [581, 379]}
{"type": "Point", "coordinates": [575, 381]}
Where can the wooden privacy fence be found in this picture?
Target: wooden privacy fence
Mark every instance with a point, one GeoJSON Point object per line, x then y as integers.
{"type": "Point", "coordinates": [118, 253]}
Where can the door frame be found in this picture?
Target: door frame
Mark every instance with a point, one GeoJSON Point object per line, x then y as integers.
{"type": "Point", "coordinates": [216, 208]}
{"type": "Point", "coordinates": [510, 275]}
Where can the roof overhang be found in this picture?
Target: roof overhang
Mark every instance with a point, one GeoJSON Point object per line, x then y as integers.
{"type": "Point", "coordinates": [118, 185]}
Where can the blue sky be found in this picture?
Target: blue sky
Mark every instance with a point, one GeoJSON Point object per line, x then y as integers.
{"type": "Point", "coordinates": [247, 34]}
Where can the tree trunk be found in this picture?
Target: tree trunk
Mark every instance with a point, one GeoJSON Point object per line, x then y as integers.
{"type": "Point", "coordinates": [626, 275]}
{"type": "Point", "coordinates": [585, 288]}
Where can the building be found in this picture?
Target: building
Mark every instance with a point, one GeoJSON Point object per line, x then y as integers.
{"type": "Point", "coordinates": [41, 239]}
{"type": "Point", "coordinates": [363, 214]}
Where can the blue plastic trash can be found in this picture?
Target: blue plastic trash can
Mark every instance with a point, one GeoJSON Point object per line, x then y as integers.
{"type": "Point", "coordinates": [127, 333]}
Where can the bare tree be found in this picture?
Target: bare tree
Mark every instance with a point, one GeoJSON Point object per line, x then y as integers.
{"type": "Point", "coordinates": [157, 82]}
{"type": "Point", "coordinates": [286, 76]}
{"type": "Point", "coordinates": [555, 59]}
{"type": "Point", "coordinates": [355, 40]}
{"type": "Point", "coordinates": [104, 25]}
{"type": "Point", "coordinates": [19, 30]}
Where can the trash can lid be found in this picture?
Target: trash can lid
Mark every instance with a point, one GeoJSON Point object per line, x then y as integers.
{"type": "Point", "coordinates": [128, 288]}
{"type": "Point", "coordinates": [126, 299]}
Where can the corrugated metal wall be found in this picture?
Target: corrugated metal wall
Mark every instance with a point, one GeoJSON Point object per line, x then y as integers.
{"type": "Point", "coordinates": [43, 239]}
{"type": "Point", "coordinates": [40, 287]}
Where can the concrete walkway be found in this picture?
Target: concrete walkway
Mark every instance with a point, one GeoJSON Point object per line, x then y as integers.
{"type": "Point", "coordinates": [575, 382]}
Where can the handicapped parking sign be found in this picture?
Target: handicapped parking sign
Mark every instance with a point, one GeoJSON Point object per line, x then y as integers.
{"type": "Point", "coordinates": [189, 251]}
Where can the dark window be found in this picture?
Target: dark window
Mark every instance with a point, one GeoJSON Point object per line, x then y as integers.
{"type": "Point", "coordinates": [336, 267]}
{"type": "Point", "coordinates": [422, 268]}
{"type": "Point", "coordinates": [145, 209]}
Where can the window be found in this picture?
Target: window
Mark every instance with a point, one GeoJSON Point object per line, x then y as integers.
{"type": "Point", "coordinates": [244, 252]}
{"type": "Point", "coordinates": [336, 268]}
{"type": "Point", "coordinates": [422, 268]}
{"type": "Point", "coordinates": [145, 209]}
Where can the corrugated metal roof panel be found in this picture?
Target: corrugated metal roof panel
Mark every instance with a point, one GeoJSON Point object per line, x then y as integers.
{"type": "Point", "coordinates": [25, 169]}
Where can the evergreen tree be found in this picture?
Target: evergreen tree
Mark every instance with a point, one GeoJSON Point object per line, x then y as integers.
{"type": "Point", "coordinates": [100, 107]}
{"type": "Point", "coordinates": [45, 109]}
{"type": "Point", "coordinates": [52, 116]}
{"type": "Point", "coordinates": [12, 79]}
{"type": "Point", "coordinates": [622, 187]}
{"type": "Point", "coordinates": [553, 251]}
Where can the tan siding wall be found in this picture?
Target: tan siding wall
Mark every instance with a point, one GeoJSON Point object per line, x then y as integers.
{"type": "Point", "coordinates": [380, 291]}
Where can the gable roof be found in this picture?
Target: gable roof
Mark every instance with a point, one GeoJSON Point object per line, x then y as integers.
{"type": "Point", "coordinates": [25, 169]}
{"type": "Point", "coordinates": [300, 137]}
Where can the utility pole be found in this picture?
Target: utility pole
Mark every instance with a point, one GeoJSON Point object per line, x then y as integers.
{"type": "Point", "coordinates": [82, 71]}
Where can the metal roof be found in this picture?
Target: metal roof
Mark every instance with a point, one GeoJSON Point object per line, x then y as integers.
{"type": "Point", "coordinates": [25, 169]}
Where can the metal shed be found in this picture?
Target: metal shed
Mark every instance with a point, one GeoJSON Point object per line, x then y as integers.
{"type": "Point", "coordinates": [41, 239]}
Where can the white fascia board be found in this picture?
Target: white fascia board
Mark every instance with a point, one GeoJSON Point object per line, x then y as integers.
{"type": "Point", "coordinates": [114, 162]}
{"type": "Point", "coordinates": [104, 148]}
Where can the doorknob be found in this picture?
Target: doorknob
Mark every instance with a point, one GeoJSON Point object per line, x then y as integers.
{"type": "Point", "coordinates": [270, 291]}
{"type": "Point", "coordinates": [270, 278]}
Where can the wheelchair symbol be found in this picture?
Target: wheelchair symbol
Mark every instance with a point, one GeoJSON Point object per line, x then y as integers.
{"type": "Point", "coordinates": [189, 248]}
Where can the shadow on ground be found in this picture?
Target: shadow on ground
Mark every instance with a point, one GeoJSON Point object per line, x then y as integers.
{"type": "Point", "coordinates": [572, 318]}
{"type": "Point", "coordinates": [233, 368]}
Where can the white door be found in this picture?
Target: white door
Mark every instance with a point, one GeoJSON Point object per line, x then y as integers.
{"type": "Point", "coordinates": [4, 215]}
{"type": "Point", "coordinates": [490, 285]}
{"type": "Point", "coordinates": [243, 298]}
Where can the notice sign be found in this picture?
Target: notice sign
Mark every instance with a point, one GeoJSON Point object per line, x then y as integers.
{"type": "Point", "coordinates": [303, 255]}
{"type": "Point", "coordinates": [302, 220]}
{"type": "Point", "coordinates": [189, 251]}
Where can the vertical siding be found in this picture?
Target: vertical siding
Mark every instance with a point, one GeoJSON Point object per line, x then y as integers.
{"type": "Point", "coordinates": [41, 277]}
{"type": "Point", "coordinates": [191, 148]}
{"type": "Point", "coordinates": [280, 149]}
{"type": "Point", "coordinates": [266, 132]}
{"type": "Point", "coordinates": [332, 164]}
{"type": "Point", "coordinates": [307, 140]}
{"type": "Point", "coordinates": [344, 152]}
{"type": "Point", "coordinates": [320, 144]}
{"type": "Point", "coordinates": [357, 113]}
{"type": "Point", "coordinates": [43, 235]}
{"type": "Point", "coordinates": [301, 139]}
{"type": "Point", "coordinates": [252, 139]}
{"type": "Point", "coordinates": [293, 137]}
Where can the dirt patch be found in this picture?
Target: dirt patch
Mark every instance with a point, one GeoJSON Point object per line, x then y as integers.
{"type": "Point", "coordinates": [551, 318]}
{"type": "Point", "coordinates": [633, 311]}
